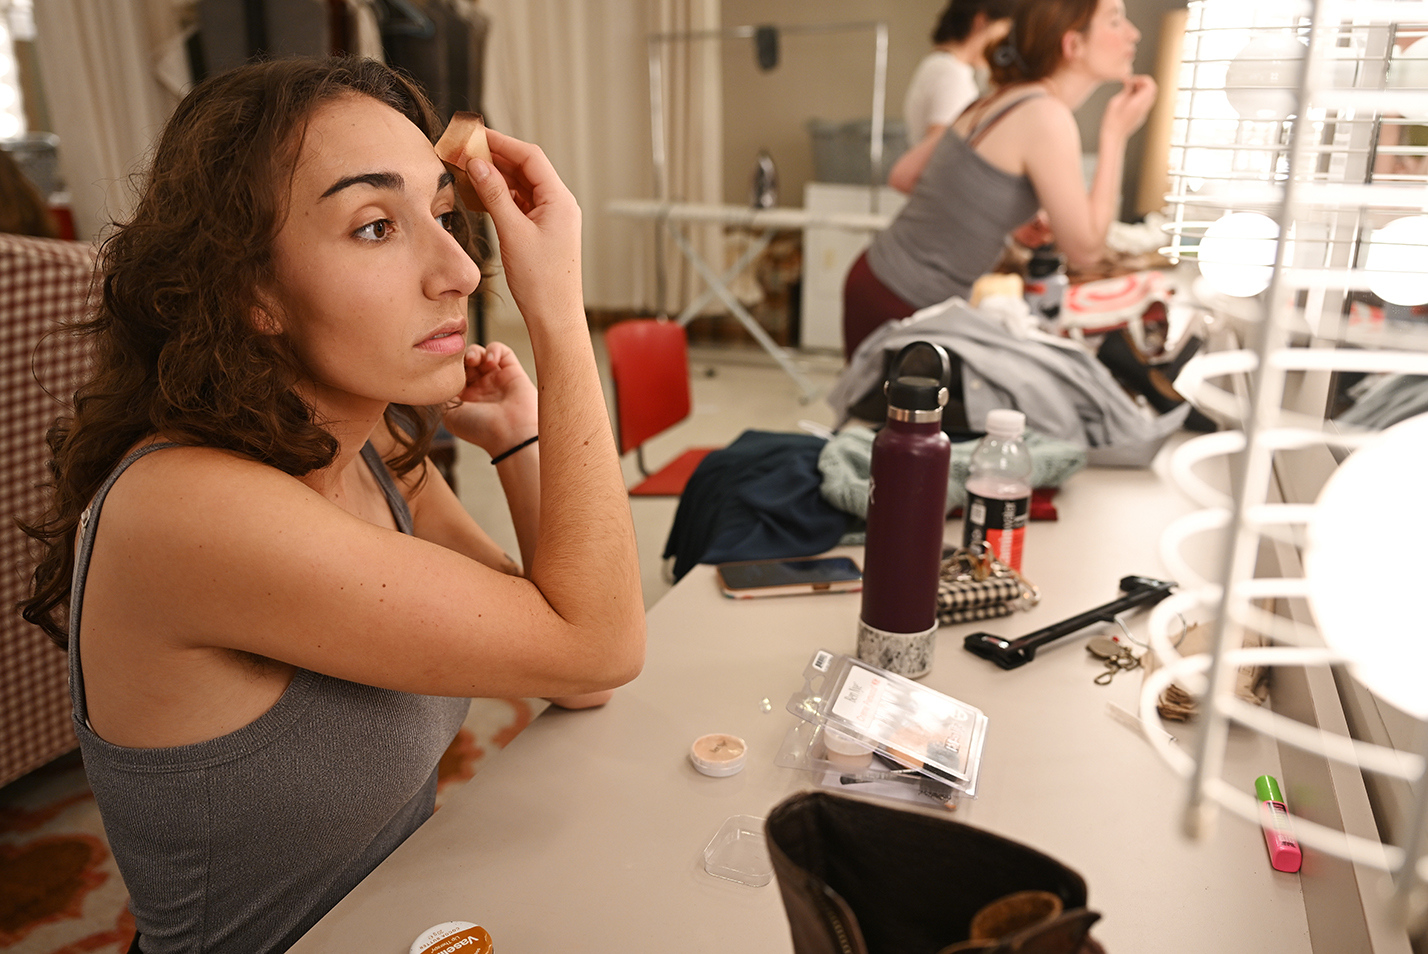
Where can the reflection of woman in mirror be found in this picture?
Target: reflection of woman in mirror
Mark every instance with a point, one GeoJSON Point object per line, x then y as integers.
{"type": "Point", "coordinates": [945, 82]}
{"type": "Point", "coordinates": [1406, 69]}
{"type": "Point", "coordinates": [1005, 157]}
{"type": "Point", "coordinates": [276, 625]}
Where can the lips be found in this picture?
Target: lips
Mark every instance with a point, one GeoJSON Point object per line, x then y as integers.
{"type": "Point", "coordinates": [450, 338]}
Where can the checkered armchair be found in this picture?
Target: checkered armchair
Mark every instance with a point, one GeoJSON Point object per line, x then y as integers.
{"type": "Point", "coordinates": [43, 282]}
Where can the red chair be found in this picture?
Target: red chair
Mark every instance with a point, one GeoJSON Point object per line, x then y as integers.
{"type": "Point", "coordinates": [649, 363]}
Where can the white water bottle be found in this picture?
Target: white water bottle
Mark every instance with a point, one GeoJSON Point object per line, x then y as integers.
{"type": "Point", "coordinates": [999, 489]}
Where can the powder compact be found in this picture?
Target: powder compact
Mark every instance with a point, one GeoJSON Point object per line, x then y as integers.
{"type": "Point", "coordinates": [718, 754]}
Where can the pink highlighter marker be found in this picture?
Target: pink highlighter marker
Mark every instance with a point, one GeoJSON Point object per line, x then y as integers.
{"type": "Point", "coordinates": [1284, 854]}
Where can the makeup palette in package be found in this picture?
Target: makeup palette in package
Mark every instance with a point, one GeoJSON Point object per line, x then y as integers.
{"type": "Point", "coordinates": [899, 720]}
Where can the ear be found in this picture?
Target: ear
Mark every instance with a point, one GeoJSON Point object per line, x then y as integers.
{"type": "Point", "coordinates": [1073, 42]}
{"type": "Point", "coordinates": [266, 315]}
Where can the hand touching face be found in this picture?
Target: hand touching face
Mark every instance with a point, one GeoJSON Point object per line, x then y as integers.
{"type": "Point", "coordinates": [371, 286]}
{"type": "Point", "coordinates": [498, 406]}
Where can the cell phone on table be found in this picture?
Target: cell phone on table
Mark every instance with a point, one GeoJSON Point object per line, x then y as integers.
{"type": "Point", "coordinates": [747, 579]}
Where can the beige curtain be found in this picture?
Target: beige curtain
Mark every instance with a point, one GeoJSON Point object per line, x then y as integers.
{"type": "Point", "coordinates": [573, 76]}
{"type": "Point", "coordinates": [106, 104]}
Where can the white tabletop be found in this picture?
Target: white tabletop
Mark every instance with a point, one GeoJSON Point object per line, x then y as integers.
{"type": "Point", "coordinates": [748, 216]}
{"type": "Point", "coordinates": [586, 833]}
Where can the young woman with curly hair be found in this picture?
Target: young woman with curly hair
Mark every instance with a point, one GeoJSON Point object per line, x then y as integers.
{"type": "Point", "coordinates": [276, 619]}
{"type": "Point", "coordinates": [1008, 155]}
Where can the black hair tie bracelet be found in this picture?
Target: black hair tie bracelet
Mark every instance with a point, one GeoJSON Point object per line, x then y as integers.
{"type": "Point", "coordinates": [525, 443]}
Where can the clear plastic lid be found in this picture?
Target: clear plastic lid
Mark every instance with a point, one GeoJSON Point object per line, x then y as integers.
{"type": "Point", "coordinates": [738, 852]}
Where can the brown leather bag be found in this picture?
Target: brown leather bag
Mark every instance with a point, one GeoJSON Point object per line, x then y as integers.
{"type": "Point", "coordinates": [865, 878]}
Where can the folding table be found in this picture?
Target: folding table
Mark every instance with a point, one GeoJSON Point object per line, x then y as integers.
{"type": "Point", "coordinates": [678, 216]}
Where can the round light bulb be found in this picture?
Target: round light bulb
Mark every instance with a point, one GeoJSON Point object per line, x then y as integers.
{"type": "Point", "coordinates": [1260, 81]}
{"type": "Point", "coordinates": [1364, 564]}
{"type": "Point", "coordinates": [1409, 67]}
{"type": "Point", "coordinates": [1237, 253]}
{"type": "Point", "coordinates": [1400, 246]}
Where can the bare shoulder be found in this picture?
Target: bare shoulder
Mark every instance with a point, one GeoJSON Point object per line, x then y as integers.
{"type": "Point", "coordinates": [1045, 131]}
{"type": "Point", "coordinates": [1045, 113]}
{"type": "Point", "coordinates": [169, 489]}
{"type": "Point", "coordinates": [181, 523]}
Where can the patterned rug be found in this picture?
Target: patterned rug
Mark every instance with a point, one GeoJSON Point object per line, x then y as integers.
{"type": "Point", "coordinates": [60, 892]}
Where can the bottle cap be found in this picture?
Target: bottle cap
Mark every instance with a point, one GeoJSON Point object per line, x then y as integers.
{"type": "Point", "coordinates": [911, 388]}
{"type": "Point", "coordinates": [1266, 789]}
{"type": "Point", "coordinates": [916, 393]}
{"type": "Point", "coordinates": [1044, 261]}
{"type": "Point", "coordinates": [1004, 422]}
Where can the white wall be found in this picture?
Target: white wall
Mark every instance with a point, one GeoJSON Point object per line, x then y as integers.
{"type": "Point", "coordinates": [828, 76]}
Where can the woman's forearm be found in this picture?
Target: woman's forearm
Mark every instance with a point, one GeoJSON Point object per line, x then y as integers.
{"type": "Point", "coordinates": [908, 169]}
{"type": "Point", "coordinates": [584, 527]}
{"type": "Point", "coordinates": [520, 479]}
{"type": "Point", "coordinates": [1106, 189]}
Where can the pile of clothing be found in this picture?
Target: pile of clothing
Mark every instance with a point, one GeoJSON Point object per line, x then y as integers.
{"type": "Point", "coordinates": [1061, 386]}
{"type": "Point", "coordinates": [770, 495]}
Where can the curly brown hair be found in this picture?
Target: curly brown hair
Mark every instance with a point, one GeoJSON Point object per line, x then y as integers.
{"type": "Point", "coordinates": [1032, 49]}
{"type": "Point", "coordinates": [175, 349]}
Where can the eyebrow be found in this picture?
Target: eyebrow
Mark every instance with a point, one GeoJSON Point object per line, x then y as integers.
{"type": "Point", "coordinates": [385, 180]}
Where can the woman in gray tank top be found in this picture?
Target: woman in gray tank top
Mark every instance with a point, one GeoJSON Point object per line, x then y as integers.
{"type": "Point", "coordinates": [1006, 156]}
{"type": "Point", "coordinates": [274, 615]}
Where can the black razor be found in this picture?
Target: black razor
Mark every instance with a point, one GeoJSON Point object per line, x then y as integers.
{"type": "Point", "coordinates": [1010, 654]}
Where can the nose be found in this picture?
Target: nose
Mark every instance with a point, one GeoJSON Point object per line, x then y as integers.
{"type": "Point", "coordinates": [450, 271]}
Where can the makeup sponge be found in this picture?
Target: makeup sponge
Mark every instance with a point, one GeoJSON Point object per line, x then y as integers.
{"type": "Point", "coordinates": [464, 140]}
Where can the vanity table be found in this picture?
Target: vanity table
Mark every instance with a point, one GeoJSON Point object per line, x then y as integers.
{"type": "Point", "coordinates": [586, 834]}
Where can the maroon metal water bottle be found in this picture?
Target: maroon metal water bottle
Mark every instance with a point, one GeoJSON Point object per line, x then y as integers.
{"type": "Point", "coordinates": [907, 501]}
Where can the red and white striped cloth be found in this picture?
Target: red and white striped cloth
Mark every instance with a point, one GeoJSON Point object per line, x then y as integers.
{"type": "Point", "coordinates": [1098, 307]}
{"type": "Point", "coordinates": [44, 283]}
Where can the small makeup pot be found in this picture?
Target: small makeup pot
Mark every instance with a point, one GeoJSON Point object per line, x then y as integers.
{"type": "Point", "coordinates": [846, 751]}
{"type": "Point", "coordinates": [451, 937]}
{"type": "Point", "coordinates": [718, 754]}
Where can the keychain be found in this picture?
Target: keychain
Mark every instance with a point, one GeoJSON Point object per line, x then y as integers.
{"type": "Point", "coordinates": [1117, 658]}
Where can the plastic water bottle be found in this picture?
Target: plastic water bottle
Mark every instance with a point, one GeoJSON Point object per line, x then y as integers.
{"type": "Point", "coordinates": [1045, 283]}
{"type": "Point", "coordinates": [907, 499]}
{"type": "Point", "coordinates": [763, 184]}
{"type": "Point", "coordinates": [999, 488]}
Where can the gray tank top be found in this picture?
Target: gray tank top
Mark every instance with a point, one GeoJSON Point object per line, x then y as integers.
{"type": "Point", "coordinates": [241, 843]}
{"type": "Point", "coordinates": [953, 226]}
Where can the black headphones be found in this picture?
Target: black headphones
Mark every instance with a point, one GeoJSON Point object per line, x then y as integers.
{"type": "Point", "coordinates": [1006, 53]}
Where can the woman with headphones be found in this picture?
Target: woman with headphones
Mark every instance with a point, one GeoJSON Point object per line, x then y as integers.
{"type": "Point", "coordinates": [1007, 156]}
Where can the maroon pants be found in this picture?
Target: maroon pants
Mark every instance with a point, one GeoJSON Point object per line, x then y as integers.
{"type": "Point", "coordinates": [867, 304]}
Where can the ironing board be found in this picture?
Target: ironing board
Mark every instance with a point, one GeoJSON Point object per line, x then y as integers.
{"type": "Point", "coordinates": [763, 223]}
